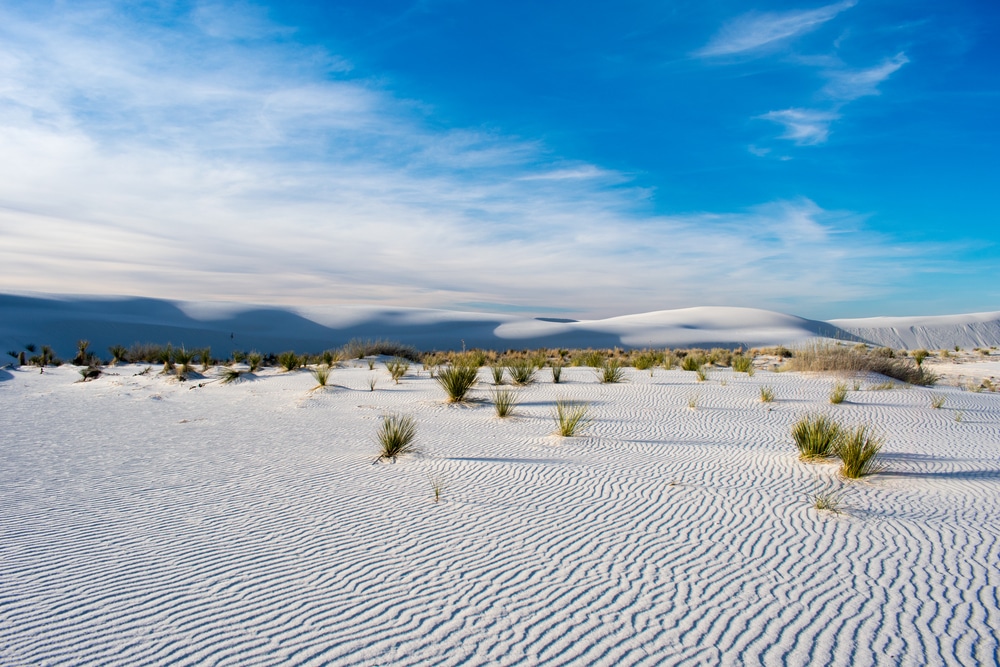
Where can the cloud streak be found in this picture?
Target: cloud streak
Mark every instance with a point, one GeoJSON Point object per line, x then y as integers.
{"type": "Point", "coordinates": [268, 173]}
{"type": "Point", "coordinates": [756, 32]}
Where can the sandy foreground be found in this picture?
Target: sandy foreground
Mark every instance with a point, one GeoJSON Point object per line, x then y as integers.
{"type": "Point", "coordinates": [146, 521]}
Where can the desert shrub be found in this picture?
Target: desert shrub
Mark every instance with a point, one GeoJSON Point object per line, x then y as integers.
{"type": "Point", "coordinates": [611, 372]}
{"type": "Point", "coordinates": [742, 364]}
{"type": "Point", "coordinates": [720, 356]}
{"type": "Point", "coordinates": [119, 355]}
{"type": "Point", "coordinates": [239, 356]}
{"type": "Point", "coordinates": [571, 417]}
{"type": "Point", "coordinates": [919, 356]}
{"type": "Point", "coordinates": [646, 359]}
{"type": "Point", "coordinates": [816, 436]}
{"type": "Point", "coordinates": [397, 368]}
{"type": "Point", "coordinates": [254, 361]}
{"type": "Point", "coordinates": [497, 371]}
{"type": "Point", "coordinates": [289, 361]}
{"type": "Point", "coordinates": [396, 436]}
{"type": "Point", "coordinates": [670, 360]}
{"type": "Point", "coordinates": [838, 393]}
{"type": "Point", "coordinates": [182, 362]}
{"type": "Point", "coordinates": [692, 362]}
{"type": "Point", "coordinates": [230, 375]}
{"type": "Point", "coordinates": [457, 380]}
{"type": "Point", "coordinates": [322, 376]}
{"type": "Point", "coordinates": [557, 373]}
{"type": "Point", "coordinates": [766, 395]}
{"type": "Point", "coordinates": [592, 358]}
{"type": "Point", "coordinates": [331, 358]}
{"type": "Point", "coordinates": [522, 371]}
{"type": "Point", "coordinates": [504, 401]}
{"type": "Point", "coordinates": [827, 357]}
{"type": "Point", "coordinates": [938, 401]}
{"type": "Point", "coordinates": [858, 449]}
{"type": "Point", "coordinates": [359, 348]}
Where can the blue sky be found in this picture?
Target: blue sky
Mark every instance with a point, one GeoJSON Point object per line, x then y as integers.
{"type": "Point", "coordinates": [825, 159]}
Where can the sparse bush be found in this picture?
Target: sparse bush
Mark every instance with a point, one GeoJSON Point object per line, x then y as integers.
{"type": "Point", "coordinates": [522, 371]}
{"type": "Point", "coordinates": [938, 401]}
{"type": "Point", "coordinates": [289, 361]}
{"type": "Point", "coordinates": [646, 360]}
{"type": "Point", "coordinates": [82, 358]}
{"type": "Point", "coordinates": [457, 380]}
{"type": "Point", "coordinates": [611, 372]}
{"type": "Point", "coordinates": [816, 436]}
{"type": "Point", "coordinates": [395, 436]}
{"type": "Point", "coordinates": [239, 356]}
{"type": "Point", "coordinates": [571, 417]}
{"type": "Point", "coordinates": [372, 381]}
{"type": "Point", "coordinates": [557, 373]}
{"type": "Point", "coordinates": [504, 402]}
{"type": "Point", "coordinates": [397, 368]}
{"type": "Point", "coordinates": [838, 393]}
{"type": "Point", "coordinates": [766, 395]}
{"type": "Point", "coordinates": [826, 357]}
{"type": "Point", "coordinates": [858, 449]}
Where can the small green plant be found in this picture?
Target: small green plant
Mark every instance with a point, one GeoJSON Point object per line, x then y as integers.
{"type": "Point", "coordinates": [858, 449]}
{"type": "Point", "coordinates": [289, 361]}
{"type": "Point", "coordinates": [437, 487]}
{"type": "Point", "coordinates": [322, 376]}
{"type": "Point", "coordinates": [828, 501]}
{"type": "Point", "coordinates": [254, 361]}
{"type": "Point", "coordinates": [919, 356]}
{"type": "Point", "coordinates": [766, 395]}
{"type": "Point", "coordinates": [504, 402]}
{"type": "Point", "coordinates": [611, 372]}
{"type": "Point", "coordinates": [371, 364]}
{"type": "Point", "coordinates": [230, 375]}
{"type": "Point", "coordinates": [571, 417]}
{"type": "Point", "coordinates": [239, 356]}
{"type": "Point", "coordinates": [205, 356]}
{"type": "Point", "coordinates": [557, 373]}
{"type": "Point", "coordinates": [522, 371]}
{"type": "Point", "coordinates": [816, 437]}
{"type": "Point", "coordinates": [182, 362]}
{"type": "Point", "coordinates": [457, 380]}
{"type": "Point", "coordinates": [397, 368]}
{"type": "Point", "coordinates": [938, 401]}
{"type": "Point", "coordinates": [838, 393]}
{"type": "Point", "coordinates": [691, 362]}
{"type": "Point", "coordinates": [395, 437]}
{"type": "Point", "coordinates": [372, 381]}
{"type": "Point", "coordinates": [742, 364]}
{"type": "Point", "coordinates": [497, 371]}
{"type": "Point", "coordinates": [701, 374]}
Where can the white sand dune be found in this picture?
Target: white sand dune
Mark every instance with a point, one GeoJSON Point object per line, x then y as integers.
{"type": "Point", "coordinates": [146, 521]}
{"type": "Point", "coordinates": [934, 332]}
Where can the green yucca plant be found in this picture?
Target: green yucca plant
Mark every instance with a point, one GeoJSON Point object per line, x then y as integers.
{"type": "Point", "coordinates": [571, 417]}
{"type": "Point", "coordinates": [504, 401]}
{"type": "Point", "coordinates": [289, 361]}
{"type": "Point", "coordinates": [838, 393]}
{"type": "Point", "coordinates": [182, 362]}
{"type": "Point", "coordinates": [395, 437]}
{"type": "Point", "coordinates": [497, 371]}
{"type": "Point", "coordinates": [254, 361]}
{"type": "Point", "coordinates": [557, 373]}
{"type": "Point", "coordinates": [322, 375]}
{"type": "Point", "coordinates": [89, 373]}
{"type": "Point", "coordinates": [230, 375]}
{"type": "Point", "coordinates": [119, 355]}
{"type": "Point", "coordinates": [457, 380]}
{"type": "Point", "coordinates": [611, 372]}
{"type": "Point", "coordinates": [522, 371]}
{"type": "Point", "coordinates": [858, 449]}
{"type": "Point", "coordinates": [816, 436]}
{"type": "Point", "coordinates": [205, 356]}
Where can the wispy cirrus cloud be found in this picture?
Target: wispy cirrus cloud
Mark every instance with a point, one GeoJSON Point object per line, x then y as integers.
{"type": "Point", "coordinates": [847, 84]}
{"type": "Point", "coordinates": [805, 127]}
{"type": "Point", "coordinates": [755, 31]}
{"type": "Point", "coordinates": [172, 160]}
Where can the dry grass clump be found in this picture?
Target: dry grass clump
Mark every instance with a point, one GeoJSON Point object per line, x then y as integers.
{"type": "Point", "coordinates": [571, 417]}
{"type": "Point", "coordinates": [693, 362]}
{"type": "Point", "coordinates": [829, 501]}
{"type": "Point", "coordinates": [254, 361]}
{"type": "Point", "coordinates": [742, 364]}
{"type": "Point", "coordinates": [395, 437]}
{"type": "Point", "coordinates": [832, 357]}
{"type": "Point", "coordinates": [504, 402]}
{"type": "Point", "coordinates": [644, 360]}
{"type": "Point", "coordinates": [766, 395]}
{"type": "Point", "coordinates": [359, 348]}
{"type": "Point", "coordinates": [611, 372]}
{"type": "Point", "coordinates": [938, 401]}
{"type": "Point", "coordinates": [858, 449]}
{"type": "Point", "coordinates": [457, 380]}
{"type": "Point", "coordinates": [182, 359]}
{"type": "Point", "coordinates": [592, 358]}
{"type": "Point", "coordinates": [701, 373]}
{"type": "Point", "coordinates": [816, 437]}
{"type": "Point", "coordinates": [838, 393]}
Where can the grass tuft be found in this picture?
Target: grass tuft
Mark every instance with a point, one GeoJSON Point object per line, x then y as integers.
{"type": "Point", "coordinates": [838, 393]}
{"type": "Point", "coordinates": [742, 364]}
{"type": "Point", "coordinates": [766, 395]}
{"type": "Point", "coordinates": [497, 371]}
{"type": "Point", "coordinates": [828, 501]}
{"type": "Point", "coordinates": [457, 381]}
{"type": "Point", "coordinates": [289, 361]}
{"type": "Point", "coordinates": [938, 401]}
{"type": "Point", "coordinates": [230, 375]}
{"type": "Point", "coordinates": [816, 437]}
{"type": "Point", "coordinates": [611, 372]}
{"type": "Point", "coordinates": [858, 449]}
{"type": "Point", "coordinates": [571, 417]}
{"type": "Point", "coordinates": [557, 373]}
{"type": "Point", "coordinates": [322, 375]}
{"type": "Point", "coordinates": [701, 374]}
{"type": "Point", "coordinates": [504, 402]}
{"type": "Point", "coordinates": [395, 436]}
{"type": "Point", "coordinates": [522, 371]}
{"type": "Point", "coordinates": [397, 368]}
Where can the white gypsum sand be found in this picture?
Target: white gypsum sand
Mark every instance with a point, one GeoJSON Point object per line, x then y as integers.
{"type": "Point", "coordinates": [147, 521]}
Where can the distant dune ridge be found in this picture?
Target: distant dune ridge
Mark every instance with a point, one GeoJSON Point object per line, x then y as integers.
{"type": "Point", "coordinates": [104, 321]}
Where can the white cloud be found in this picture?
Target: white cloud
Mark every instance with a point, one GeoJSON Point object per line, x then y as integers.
{"type": "Point", "coordinates": [849, 85]}
{"type": "Point", "coordinates": [806, 127]}
{"type": "Point", "coordinates": [757, 31]}
{"type": "Point", "coordinates": [148, 161]}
